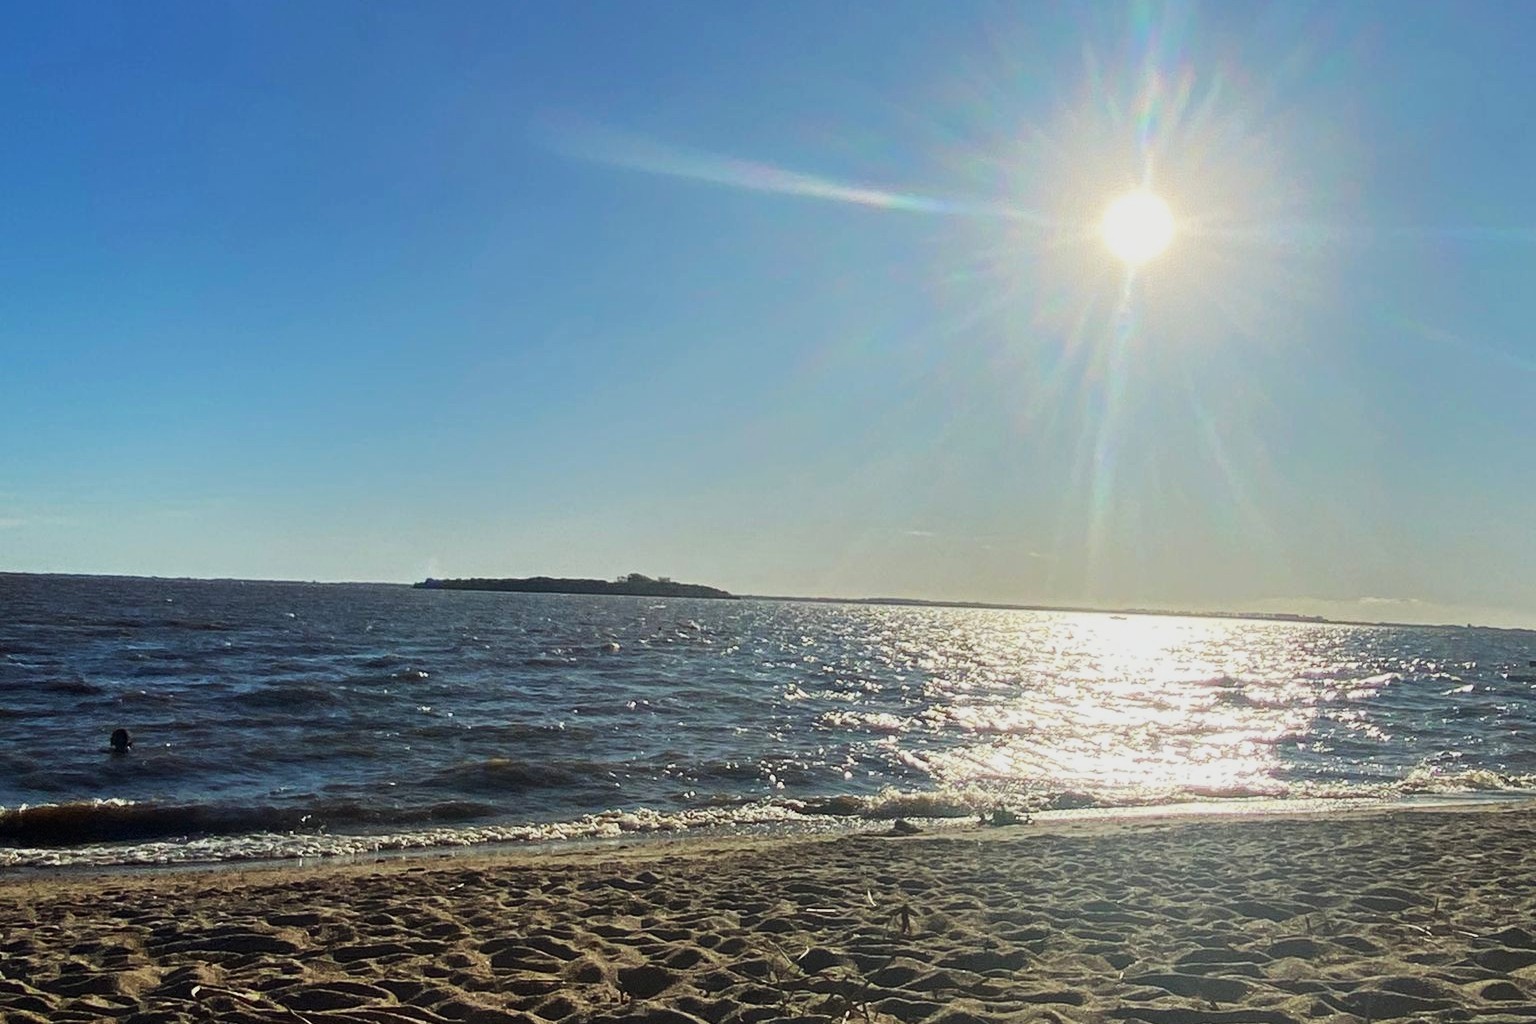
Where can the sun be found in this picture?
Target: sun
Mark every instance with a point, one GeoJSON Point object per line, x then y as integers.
{"type": "Point", "coordinates": [1137, 226]}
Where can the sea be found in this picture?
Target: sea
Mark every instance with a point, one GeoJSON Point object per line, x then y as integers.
{"type": "Point", "coordinates": [282, 720]}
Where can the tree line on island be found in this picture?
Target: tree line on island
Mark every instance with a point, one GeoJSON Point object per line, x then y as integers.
{"type": "Point", "coordinates": [632, 585]}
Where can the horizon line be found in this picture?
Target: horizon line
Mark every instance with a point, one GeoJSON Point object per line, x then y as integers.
{"type": "Point", "coordinates": [910, 602]}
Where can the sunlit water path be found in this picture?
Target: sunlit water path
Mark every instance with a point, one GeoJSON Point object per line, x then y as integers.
{"type": "Point", "coordinates": [279, 719]}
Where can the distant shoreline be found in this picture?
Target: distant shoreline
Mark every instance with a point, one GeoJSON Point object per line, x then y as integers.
{"type": "Point", "coordinates": [915, 602]}
{"type": "Point", "coordinates": [918, 602]}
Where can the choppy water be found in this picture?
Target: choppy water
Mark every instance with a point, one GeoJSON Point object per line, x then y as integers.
{"type": "Point", "coordinates": [276, 719]}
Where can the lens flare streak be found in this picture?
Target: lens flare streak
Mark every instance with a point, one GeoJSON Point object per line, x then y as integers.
{"type": "Point", "coordinates": [620, 149]}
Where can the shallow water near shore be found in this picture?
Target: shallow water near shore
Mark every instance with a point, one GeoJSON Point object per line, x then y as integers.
{"type": "Point", "coordinates": [284, 719]}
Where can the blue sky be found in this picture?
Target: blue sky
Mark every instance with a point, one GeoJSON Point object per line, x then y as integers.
{"type": "Point", "coordinates": [783, 297]}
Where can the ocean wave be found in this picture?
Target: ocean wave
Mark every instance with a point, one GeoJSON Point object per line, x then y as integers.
{"type": "Point", "coordinates": [891, 803]}
{"type": "Point", "coordinates": [73, 686]}
{"type": "Point", "coordinates": [112, 832]}
{"type": "Point", "coordinates": [489, 736]}
{"type": "Point", "coordinates": [502, 775]}
{"type": "Point", "coordinates": [549, 661]}
{"type": "Point", "coordinates": [876, 722]}
{"type": "Point", "coordinates": [1432, 779]}
{"type": "Point", "coordinates": [384, 679]}
{"type": "Point", "coordinates": [103, 821]}
{"type": "Point", "coordinates": [719, 771]}
{"type": "Point", "coordinates": [290, 696]}
{"type": "Point", "coordinates": [21, 682]}
{"type": "Point", "coordinates": [966, 801]}
{"type": "Point", "coordinates": [613, 824]}
{"type": "Point", "coordinates": [117, 820]}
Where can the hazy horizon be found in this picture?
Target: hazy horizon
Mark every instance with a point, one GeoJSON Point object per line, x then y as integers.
{"type": "Point", "coordinates": [785, 298]}
{"type": "Point", "coordinates": [1276, 608]}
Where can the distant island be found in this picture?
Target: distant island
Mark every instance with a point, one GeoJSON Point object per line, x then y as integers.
{"type": "Point", "coordinates": [633, 585]}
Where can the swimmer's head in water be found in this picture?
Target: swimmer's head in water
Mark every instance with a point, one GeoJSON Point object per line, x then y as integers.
{"type": "Point", "coordinates": [121, 741]}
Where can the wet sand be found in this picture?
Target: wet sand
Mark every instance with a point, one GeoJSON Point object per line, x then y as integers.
{"type": "Point", "coordinates": [1403, 914]}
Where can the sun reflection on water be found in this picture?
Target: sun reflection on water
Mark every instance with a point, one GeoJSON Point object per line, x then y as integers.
{"type": "Point", "coordinates": [968, 707]}
{"type": "Point", "coordinates": [1143, 706]}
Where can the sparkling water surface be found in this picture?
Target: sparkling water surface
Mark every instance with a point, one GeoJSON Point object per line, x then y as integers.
{"type": "Point", "coordinates": [281, 718]}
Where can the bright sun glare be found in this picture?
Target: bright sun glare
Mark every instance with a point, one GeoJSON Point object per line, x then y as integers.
{"type": "Point", "coordinates": [1137, 227]}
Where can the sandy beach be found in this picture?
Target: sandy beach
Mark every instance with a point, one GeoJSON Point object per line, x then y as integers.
{"type": "Point", "coordinates": [1399, 914]}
